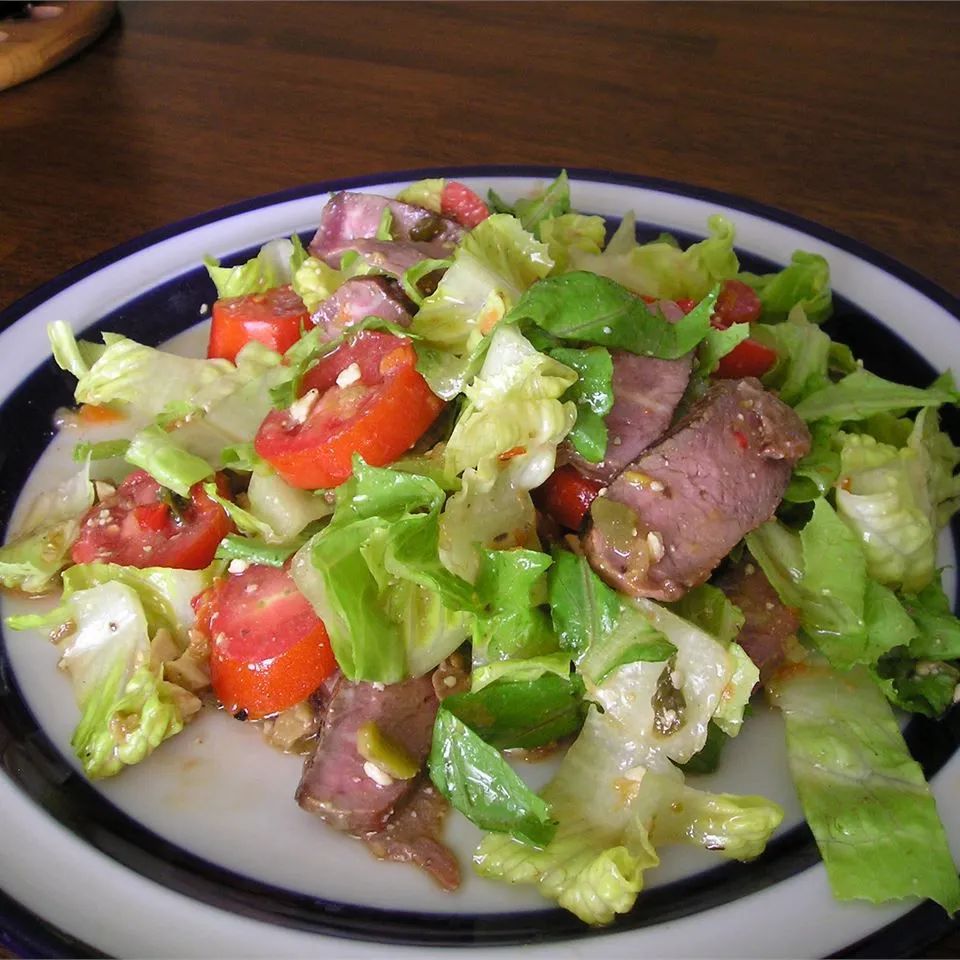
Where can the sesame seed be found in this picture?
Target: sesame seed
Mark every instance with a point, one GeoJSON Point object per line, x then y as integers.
{"type": "Point", "coordinates": [237, 566]}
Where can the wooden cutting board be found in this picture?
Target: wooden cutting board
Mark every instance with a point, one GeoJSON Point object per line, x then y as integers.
{"type": "Point", "coordinates": [34, 46]}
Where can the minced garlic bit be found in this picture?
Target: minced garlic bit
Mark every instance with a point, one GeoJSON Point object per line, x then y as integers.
{"type": "Point", "coordinates": [237, 566]}
{"type": "Point", "coordinates": [655, 545]}
{"type": "Point", "coordinates": [300, 409]}
{"type": "Point", "coordinates": [378, 776]}
{"type": "Point", "coordinates": [349, 375]}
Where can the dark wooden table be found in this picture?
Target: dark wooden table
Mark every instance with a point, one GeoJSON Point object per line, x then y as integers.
{"type": "Point", "coordinates": [843, 113]}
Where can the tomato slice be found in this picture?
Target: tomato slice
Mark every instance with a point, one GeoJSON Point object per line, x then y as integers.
{"type": "Point", "coordinates": [737, 303]}
{"type": "Point", "coordinates": [461, 203]}
{"type": "Point", "coordinates": [275, 318]}
{"type": "Point", "coordinates": [365, 397]}
{"type": "Point", "coordinates": [268, 648]}
{"type": "Point", "coordinates": [749, 358]}
{"type": "Point", "coordinates": [136, 526]}
{"type": "Point", "coordinates": [567, 495]}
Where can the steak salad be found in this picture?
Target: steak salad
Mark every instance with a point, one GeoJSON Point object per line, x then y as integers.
{"type": "Point", "coordinates": [460, 482]}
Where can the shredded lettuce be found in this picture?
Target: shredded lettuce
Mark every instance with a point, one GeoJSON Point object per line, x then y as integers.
{"type": "Point", "coordinates": [157, 451]}
{"type": "Point", "coordinates": [127, 708]}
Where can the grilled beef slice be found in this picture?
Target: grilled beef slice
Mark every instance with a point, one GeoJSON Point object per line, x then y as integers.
{"type": "Point", "coordinates": [356, 299]}
{"type": "Point", "coordinates": [334, 784]}
{"type": "Point", "coordinates": [399, 820]}
{"type": "Point", "coordinates": [674, 513]}
{"type": "Point", "coordinates": [768, 624]}
{"type": "Point", "coordinates": [350, 217]}
{"type": "Point", "coordinates": [646, 392]}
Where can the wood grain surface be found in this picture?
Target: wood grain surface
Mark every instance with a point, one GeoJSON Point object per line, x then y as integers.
{"type": "Point", "coordinates": [843, 113]}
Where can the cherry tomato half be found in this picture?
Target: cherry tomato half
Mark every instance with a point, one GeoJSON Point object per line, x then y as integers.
{"type": "Point", "coordinates": [462, 204]}
{"type": "Point", "coordinates": [365, 397]}
{"type": "Point", "coordinates": [140, 526]}
{"type": "Point", "coordinates": [274, 318]}
{"type": "Point", "coordinates": [268, 648]}
{"type": "Point", "coordinates": [566, 496]}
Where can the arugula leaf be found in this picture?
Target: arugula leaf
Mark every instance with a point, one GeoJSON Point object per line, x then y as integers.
{"type": "Point", "coordinates": [583, 608]}
{"type": "Point", "coordinates": [588, 308]}
{"type": "Point", "coordinates": [525, 714]}
{"type": "Point", "coordinates": [478, 782]}
{"type": "Point", "coordinates": [593, 395]}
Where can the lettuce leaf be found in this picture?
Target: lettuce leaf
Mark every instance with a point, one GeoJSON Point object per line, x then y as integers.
{"type": "Point", "coordinates": [804, 283]}
{"type": "Point", "coordinates": [127, 708]}
{"type": "Point", "coordinates": [31, 561]}
{"type": "Point", "coordinates": [392, 610]}
{"type": "Point", "coordinates": [493, 265]}
{"type": "Point", "coordinates": [861, 394]}
{"type": "Point", "coordinates": [271, 267]}
{"type": "Point", "coordinates": [157, 451]}
{"type": "Point", "coordinates": [864, 796]}
{"type": "Point", "coordinates": [478, 782]}
{"type": "Point", "coordinates": [572, 231]}
{"type": "Point", "coordinates": [617, 793]}
{"type": "Point", "coordinates": [660, 269]}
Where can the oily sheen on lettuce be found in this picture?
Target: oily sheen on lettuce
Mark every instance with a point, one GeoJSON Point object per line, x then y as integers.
{"type": "Point", "coordinates": [864, 796]}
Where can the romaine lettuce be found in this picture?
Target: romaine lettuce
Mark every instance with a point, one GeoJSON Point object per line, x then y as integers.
{"type": "Point", "coordinates": [863, 795]}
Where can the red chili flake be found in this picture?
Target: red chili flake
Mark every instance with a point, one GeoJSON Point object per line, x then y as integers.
{"type": "Point", "coordinates": [511, 453]}
{"type": "Point", "coordinates": [741, 438]}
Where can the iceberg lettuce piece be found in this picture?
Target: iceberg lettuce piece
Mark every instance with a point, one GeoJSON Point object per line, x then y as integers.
{"type": "Point", "coordinates": [271, 267]}
{"type": "Point", "coordinates": [660, 269]}
{"type": "Point", "coordinates": [616, 783]}
{"type": "Point", "coordinates": [804, 283]}
{"type": "Point", "coordinates": [127, 708]}
{"type": "Point", "coordinates": [940, 458]}
{"type": "Point", "coordinates": [479, 516]}
{"type": "Point", "coordinates": [493, 265]}
{"type": "Point", "coordinates": [31, 561]}
{"type": "Point", "coordinates": [313, 281]}
{"type": "Point", "coordinates": [864, 796]}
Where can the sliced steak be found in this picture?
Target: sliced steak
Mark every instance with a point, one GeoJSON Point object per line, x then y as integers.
{"type": "Point", "coordinates": [393, 257]}
{"type": "Point", "coordinates": [348, 217]}
{"type": "Point", "coordinates": [357, 299]}
{"type": "Point", "coordinates": [768, 624]}
{"type": "Point", "coordinates": [413, 836]}
{"type": "Point", "coordinates": [646, 392]}
{"type": "Point", "coordinates": [671, 516]}
{"type": "Point", "coordinates": [334, 784]}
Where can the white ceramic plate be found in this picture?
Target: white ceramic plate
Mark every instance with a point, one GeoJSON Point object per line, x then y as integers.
{"type": "Point", "coordinates": [201, 851]}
